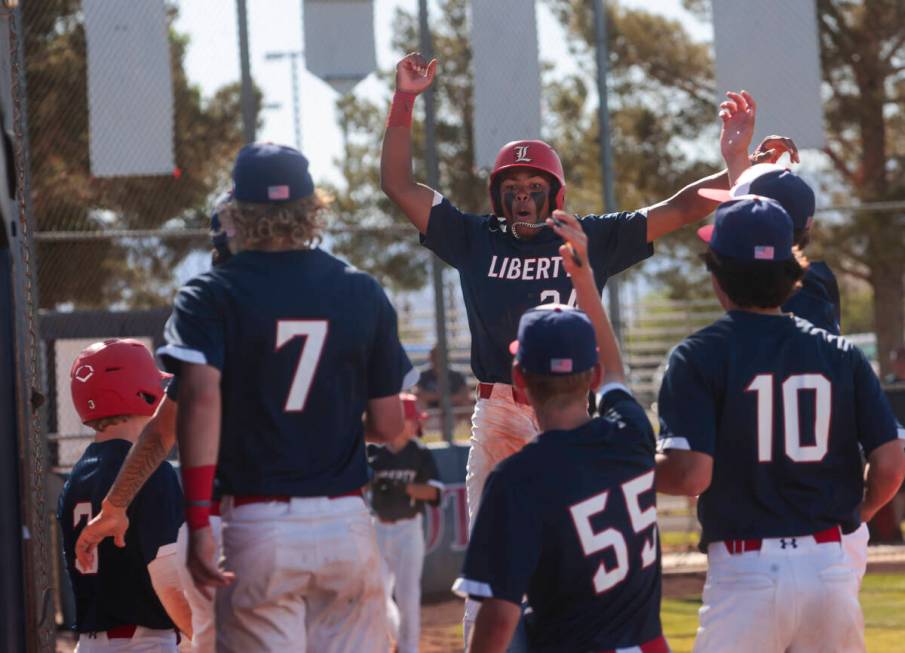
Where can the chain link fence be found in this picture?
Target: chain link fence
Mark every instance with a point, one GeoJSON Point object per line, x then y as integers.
{"type": "Point", "coordinates": [111, 247]}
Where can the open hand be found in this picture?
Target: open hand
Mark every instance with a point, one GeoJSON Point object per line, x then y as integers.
{"type": "Point", "coordinates": [202, 563]}
{"type": "Point", "coordinates": [738, 114]}
{"type": "Point", "coordinates": [414, 74]}
{"type": "Point", "coordinates": [111, 521]}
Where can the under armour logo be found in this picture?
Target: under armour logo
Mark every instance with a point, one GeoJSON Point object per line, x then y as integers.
{"type": "Point", "coordinates": [521, 154]}
{"type": "Point", "coordinates": [791, 543]}
{"type": "Point", "coordinates": [83, 373]}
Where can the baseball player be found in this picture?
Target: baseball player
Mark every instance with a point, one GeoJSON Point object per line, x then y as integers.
{"type": "Point", "coordinates": [279, 353]}
{"type": "Point", "coordinates": [570, 520]}
{"type": "Point", "coordinates": [150, 450]}
{"type": "Point", "coordinates": [129, 597]}
{"type": "Point", "coordinates": [762, 415]}
{"type": "Point", "coordinates": [404, 480]}
{"type": "Point", "coordinates": [817, 300]}
{"type": "Point", "coordinates": [509, 261]}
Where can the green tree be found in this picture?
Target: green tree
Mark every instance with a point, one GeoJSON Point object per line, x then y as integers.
{"type": "Point", "coordinates": [66, 197]}
{"type": "Point", "coordinates": [863, 60]}
{"type": "Point", "coordinates": [653, 159]}
{"type": "Point", "coordinates": [390, 249]}
{"type": "Point", "coordinates": [863, 57]}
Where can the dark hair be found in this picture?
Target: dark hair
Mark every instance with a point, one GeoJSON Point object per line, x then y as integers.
{"type": "Point", "coordinates": [755, 284]}
{"type": "Point", "coordinates": [802, 237]}
{"type": "Point", "coordinates": [548, 388]}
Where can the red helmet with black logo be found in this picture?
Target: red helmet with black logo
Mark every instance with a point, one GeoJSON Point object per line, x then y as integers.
{"type": "Point", "coordinates": [528, 154]}
{"type": "Point", "coordinates": [115, 377]}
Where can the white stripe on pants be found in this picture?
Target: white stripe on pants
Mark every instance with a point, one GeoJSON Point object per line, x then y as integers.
{"type": "Point", "coordinates": [307, 578]}
{"type": "Point", "coordinates": [145, 640]}
{"type": "Point", "coordinates": [500, 427]}
{"type": "Point", "coordinates": [402, 546]}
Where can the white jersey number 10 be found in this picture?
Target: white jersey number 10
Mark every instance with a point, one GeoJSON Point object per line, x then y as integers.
{"type": "Point", "coordinates": [822, 390]}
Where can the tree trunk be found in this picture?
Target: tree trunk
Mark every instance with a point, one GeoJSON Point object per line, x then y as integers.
{"type": "Point", "coordinates": [888, 281]}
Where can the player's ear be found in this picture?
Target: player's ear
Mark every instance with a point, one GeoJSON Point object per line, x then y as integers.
{"type": "Point", "coordinates": [518, 379]}
{"type": "Point", "coordinates": [597, 376]}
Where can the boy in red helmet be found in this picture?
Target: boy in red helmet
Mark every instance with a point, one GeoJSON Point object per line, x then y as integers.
{"type": "Point", "coordinates": [509, 261]}
{"type": "Point", "coordinates": [130, 598]}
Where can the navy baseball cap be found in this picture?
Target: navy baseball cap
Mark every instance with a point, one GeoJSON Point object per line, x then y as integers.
{"type": "Point", "coordinates": [777, 183]}
{"type": "Point", "coordinates": [750, 228]}
{"type": "Point", "coordinates": [266, 173]}
{"type": "Point", "coordinates": [554, 339]}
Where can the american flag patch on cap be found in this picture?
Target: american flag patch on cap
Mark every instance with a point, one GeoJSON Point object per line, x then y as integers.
{"type": "Point", "coordinates": [561, 365]}
{"type": "Point", "coordinates": [763, 253]}
{"type": "Point", "coordinates": [278, 192]}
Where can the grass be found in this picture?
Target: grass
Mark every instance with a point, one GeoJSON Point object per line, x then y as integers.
{"type": "Point", "coordinates": [882, 599]}
{"type": "Point", "coordinates": [672, 541]}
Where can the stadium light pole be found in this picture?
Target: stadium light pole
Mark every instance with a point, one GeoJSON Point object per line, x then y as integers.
{"type": "Point", "coordinates": [247, 96]}
{"type": "Point", "coordinates": [606, 151]}
{"type": "Point", "coordinates": [433, 180]}
{"type": "Point", "coordinates": [293, 56]}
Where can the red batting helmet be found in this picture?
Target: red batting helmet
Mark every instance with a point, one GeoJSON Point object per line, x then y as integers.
{"type": "Point", "coordinates": [528, 154]}
{"type": "Point", "coordinates": [115, 377]}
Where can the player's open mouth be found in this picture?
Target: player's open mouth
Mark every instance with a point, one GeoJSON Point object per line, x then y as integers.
{"type": "Point", "coordinates": [523, 214]}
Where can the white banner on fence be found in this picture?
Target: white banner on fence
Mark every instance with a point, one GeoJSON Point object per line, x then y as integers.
{"type": "Point", "coordinates": [339, 41]}
{"type": "Point", "coordinates": [130, 88]}
{"type": "Point", "coordinates": [771, 49]}
{"type": "Point", "coordinates": [507, 88]}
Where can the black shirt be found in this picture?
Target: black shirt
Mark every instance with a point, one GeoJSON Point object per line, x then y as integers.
{"type": "Point", "coordinates": [393, 471]}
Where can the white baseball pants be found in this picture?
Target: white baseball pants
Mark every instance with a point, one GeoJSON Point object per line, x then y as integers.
{"type": "Point", "coordinates": [855, 545]}
{"type": "Point", "coordinates": [791, 596]}
{"type": "Point", "coordinates": [204, 635]}
{"type": "Point", "coordinates": [307, 578]}
{"type": "Point", "coordinates": [500, 427]}
{"type": "Point", "coordinates": [145, 640]}
{"type": "Point", "coordinates": [402, 546]}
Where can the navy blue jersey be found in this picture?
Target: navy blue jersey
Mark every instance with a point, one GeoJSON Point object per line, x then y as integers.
{"type": "Point", "coordinates": [502, 276]}
{"type": "Point", "coordinates": [570, 521]}
{"type": "Point", "coordinates": [118, 591]}
{"type": "Point", "coordinates": [817, 300]}
{"type": "Point", "coordinates": [303, 341]}
{"type": "Point", "coordinates": [782, 407]}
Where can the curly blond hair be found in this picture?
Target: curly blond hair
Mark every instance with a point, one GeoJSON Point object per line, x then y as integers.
{"type": "Point", "coordinates": [297, 224]}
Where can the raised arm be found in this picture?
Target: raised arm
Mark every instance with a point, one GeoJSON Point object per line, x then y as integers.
{"type": "Point", "coordinates": [413, 76]}
{"type": "Point", "coordinates": [575, 260]}
{"type": "Point", "coordinates": [146, 455]}
{"type": "Point", "coordinates": [738, 115]}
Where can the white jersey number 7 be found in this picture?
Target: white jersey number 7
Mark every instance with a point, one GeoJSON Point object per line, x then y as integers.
{"type": "Point", "coordinates": [315, 334]}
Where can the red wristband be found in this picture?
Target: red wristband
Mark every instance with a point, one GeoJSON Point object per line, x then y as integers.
{"type": "Point", "coordinates": [401, 110]}
{"type": "Point", "coordinates": [197, 484]}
